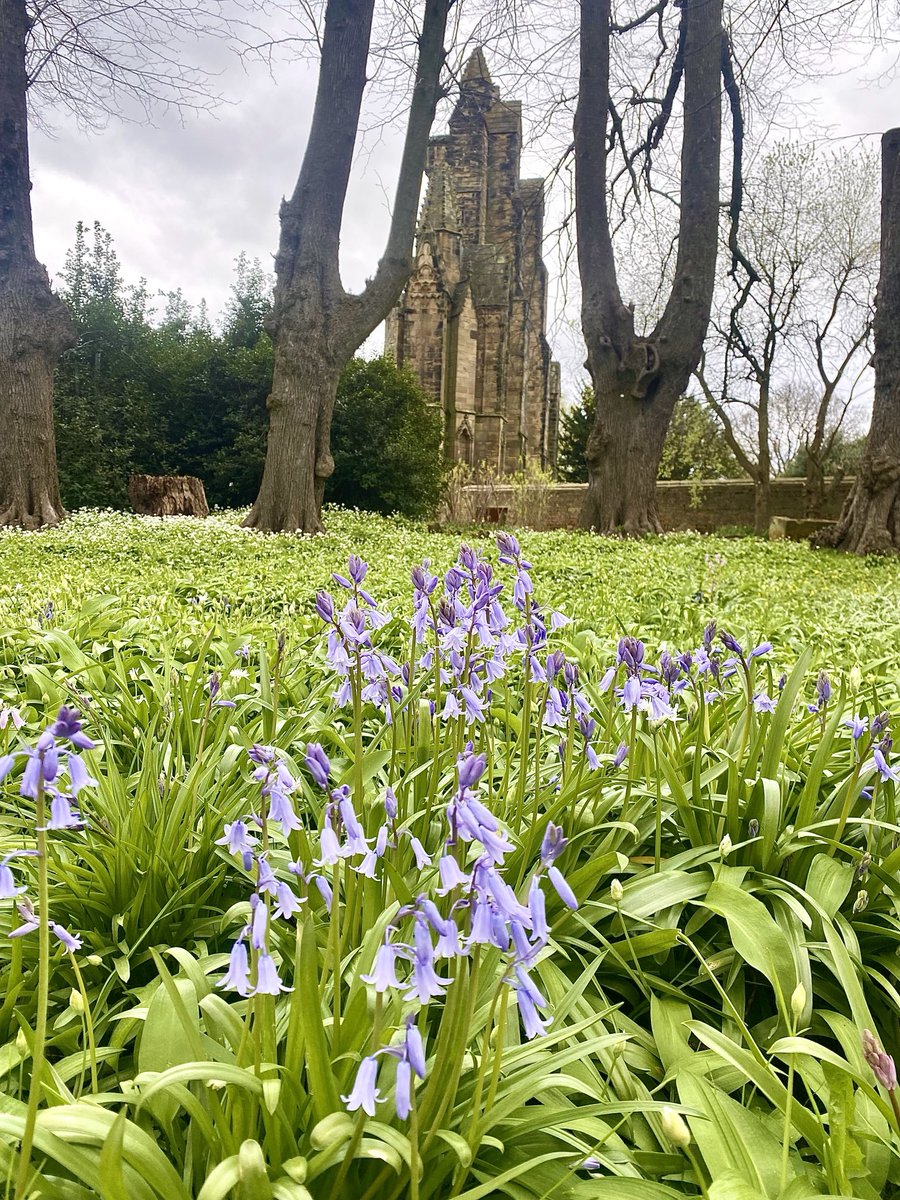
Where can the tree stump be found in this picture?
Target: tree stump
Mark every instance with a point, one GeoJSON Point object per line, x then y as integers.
{"type": "Point", "coordinates": [167, 496]}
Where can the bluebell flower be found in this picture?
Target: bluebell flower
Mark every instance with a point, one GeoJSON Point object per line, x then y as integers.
{"type": "Point", "coordinates": [620, 755]}
{"type": "Point", "coordinates": [265, 877]}
{"type": "Point", "coordinates": [553, 844]}
{"type": "Point", "coordinates": [317, 763]}
{"type": "Point", "coordinates": [533, 1024]}
{"type": "Point", "coordinates": [70, 941]}
{"type": "Point", "coordinates": [8, 889]}
{"type": "Point", "coordinates": [857, 726]}
{"type": "Point", "coordinates": [68, 727]}
{"type": "Point", "coordinates": [451, 874]}
{"type": "Point", "coordinates": [538, 911]}
{"type": "Point", "coordinates": [384, 970]}
{"type": "Point", "coordinates": [78, 774]}
{"type": "Point", "coordinates": [259, 923]}
{"type": "Point", "coordinates": [268, 981]}
{"type": "Point", "coordinates": [237, 838]}
{"type": "Point", "coordinates": [7, 762]}
{"type": "Point", "coordinates": [763, 703]}
{"type": "Point", "coordinates": [237, 978]}
{"type": "Point", "coordinates": [62, 815]}
{"type": "Point", "coordinates": [365, 1094]}
{"type": "Point", "coordinates": [287, 902]}
{"type": "Point", "coordinates": [424, 983]}
{"type": "Point", "coordinates": [563, 890]}
{"type": "Point", "coordinates": [881, 765]}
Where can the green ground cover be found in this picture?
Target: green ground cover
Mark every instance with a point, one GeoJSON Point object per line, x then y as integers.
{"type": "Point", "coordinates": [674, 887]}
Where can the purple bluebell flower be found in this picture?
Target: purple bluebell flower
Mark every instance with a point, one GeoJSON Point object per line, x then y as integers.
{"type": "Point", "coordinates": [857, 726]}
{"type": "Point", "coordinates": [265, 877]}
{"type": "Point", "coordinates": [425, 983]}
{"type": "Point", "coordinates": [882, 766]}
{"type": "Point", "coordinates": [620, 755]}
{"type": "Point", "coordinates": [237, 838]}
{"type": "Point", "coordinates": [563, 890]}
{"type": "Point", "coordinates": [451, 874]}
{"type": "Point", "coordinates": [403, 1089]}
{"type": "Point", "coordinates": [237, 977]}
{"type": "Point", "coordinates": [10, 715]}
{"type": "Point", "coordinates": [7, 762]}
{"type": "Point", "coordinates": [538, 911]}
{"type": "Point", "coordinates": [317, 763]}
{"type": "Point", "coordinates": [325, 606]}
{"type": "Point", "coordinates": [763, 703]}
{"type": "Point", "coordinates": [259, 923]}
{"type": "Point", "coordinates": [880, 723]}
{"type": "Point", "coordinates": [78, 774]}
{"type": "Point", "coordinates": [70, 941]}
{"type": "Point", "coordinates": [365, 1094]}
{"type": "Point", "coordinates": [553, 844]}
{"type": "Point", "coordinates": [390, 804]}
{"type": "Point", "coordinates": [533, 1024]}
{"type": "Point", "coordinates": [8, 889]}
{"type": "Point", "coordinates": [287, 902]}
{"type": "Point", "coordinates": [68, 727]}
{"type": "Point", "coordinates": [384, 970]}
{"type": "Point", "coordinates": [268, 981]}
{"type": "Point", "coordinates": [62, 815]}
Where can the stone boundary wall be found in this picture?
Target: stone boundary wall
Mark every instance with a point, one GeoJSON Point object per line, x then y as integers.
{"type": "Point", "coordinates": [715, 505]}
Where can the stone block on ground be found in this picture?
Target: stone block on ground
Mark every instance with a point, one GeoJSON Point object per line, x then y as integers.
{"type": "Point", "coordinates": [167, 496]}
{"type": "Point", "coordinates": [795, 529]}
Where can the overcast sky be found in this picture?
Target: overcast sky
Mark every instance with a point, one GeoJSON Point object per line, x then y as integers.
{"type": "Point", "coordinates": [183, 200]}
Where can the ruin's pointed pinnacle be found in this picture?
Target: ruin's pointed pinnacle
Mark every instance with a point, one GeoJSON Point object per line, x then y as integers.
{"type": "Point", "coordinates": [476, 68]}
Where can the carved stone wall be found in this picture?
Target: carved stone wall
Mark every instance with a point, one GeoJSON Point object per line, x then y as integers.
{"type": "Point", "coordinates": [471, 322]}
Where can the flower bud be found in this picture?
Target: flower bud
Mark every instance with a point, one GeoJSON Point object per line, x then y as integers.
{"type": "Point", "coordinates": [855, 678]}
{"type": "Point", "coordinates": [798, 1001]}
{"type": "Point", "coordinates": [616, 892]}
{"type": "Point", "coordinates": [21, 1044]}
{"type": "Point", "coordinates": [675, 1128]}
{"type": "Point", "coordinates": [94, 960]}
{"type": "Point", "coordinates": [725, 846]}
{"type": "Point", "coordinates": [862, 899]}
{"type": "Point", "coordinates": [76, 1000]}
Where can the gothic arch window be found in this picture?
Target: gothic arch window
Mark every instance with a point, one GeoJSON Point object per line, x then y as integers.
{"type": "Point", "coordinates": [465, 444]}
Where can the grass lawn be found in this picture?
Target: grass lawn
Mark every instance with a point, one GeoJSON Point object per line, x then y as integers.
{"type": "Point", "coordinates": [549, 872]}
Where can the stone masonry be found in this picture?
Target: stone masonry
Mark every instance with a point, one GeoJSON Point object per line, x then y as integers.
{"type": "Point", "coordinates": [471, 322]}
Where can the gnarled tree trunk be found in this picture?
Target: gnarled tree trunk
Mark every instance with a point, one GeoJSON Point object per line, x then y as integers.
{"type": "Point", "coordinates": [317, 326]}
{"type": "Point", "coordinates": [870, 522]}
{"type": "Point", "coordinates": [637, 380]}
{"type": "Point", "coordinates": [34, 323]}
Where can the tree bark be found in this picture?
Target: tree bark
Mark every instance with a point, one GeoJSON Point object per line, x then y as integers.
{"type": "Point", "coordinates": [167, 496]}
{"type": "Point", "coordinates": [870, 522]}
{"type": "Point", "coordinates": [317, 326]}
{"type": "Point", "coordinates": [34, 324]}
{"type": "Point", "coordinates": [637, 380]}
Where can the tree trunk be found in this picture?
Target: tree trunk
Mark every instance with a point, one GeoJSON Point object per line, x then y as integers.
{"type": "Point", "coordinates": [623, 452]}
{"type": "Point", "coordinates": [637, 380]}
{"type": "Point", "coordinates": [167, 496]}
{"type": "Point", "coordinates": [814, 487]}
{"type": "Point", "coordinates": [762, 505]}
{"type": "Point", "coordinates": [870, 522]}
{"type": "Point", "coordinates": [34, 323]}
{"type": "Point", "coordinates": [317, 326]}
{"type": "Point", "coordinates": [298, 456]}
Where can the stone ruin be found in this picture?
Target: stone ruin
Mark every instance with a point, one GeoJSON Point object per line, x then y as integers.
{"type": "Point", "coordinates": [471, 322]}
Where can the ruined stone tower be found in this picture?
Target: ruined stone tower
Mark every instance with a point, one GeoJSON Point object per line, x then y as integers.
{"type": "Point", "coordinates": [471, 321]}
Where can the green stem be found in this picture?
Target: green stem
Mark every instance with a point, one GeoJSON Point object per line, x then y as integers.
{"type": "Point", "coordinates": [88, 1024]}
{"type": "Point", "coordinates": [43, 996]}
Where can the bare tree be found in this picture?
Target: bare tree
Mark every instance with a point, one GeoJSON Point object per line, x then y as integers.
{"type": "Point", "coordinates": [90, 57]}
{"type": "Point", "coordinates": [794, 315]}
{"type": "Point", "coordinates": [638, 378]}
{"type": "Point", "coordinates": [316, 325]}
{"type": "Point", "coordinates": [870, 522]}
